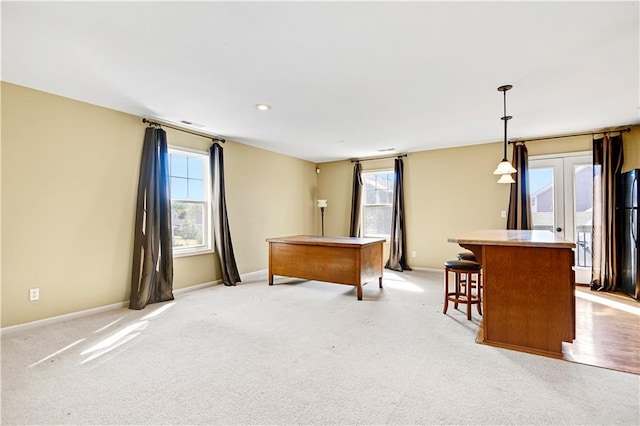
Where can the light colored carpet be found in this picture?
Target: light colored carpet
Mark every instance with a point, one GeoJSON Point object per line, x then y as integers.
{"type": "Point", "coordinates": [299, 352]}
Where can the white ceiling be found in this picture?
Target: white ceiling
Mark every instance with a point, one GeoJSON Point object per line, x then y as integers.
{"type": "Point", "coordinates": [344, 79]}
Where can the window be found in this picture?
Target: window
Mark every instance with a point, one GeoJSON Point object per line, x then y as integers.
{"type": "Point", "coordinates": [190, 201]}
{"type": "Point", "coordinates": [376, 208]}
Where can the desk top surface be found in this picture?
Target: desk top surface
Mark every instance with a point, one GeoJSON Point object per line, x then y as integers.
{"type": "Point", "coordinates": [510, 237]}
{"type": "Point", "coordinates": [327, 241]}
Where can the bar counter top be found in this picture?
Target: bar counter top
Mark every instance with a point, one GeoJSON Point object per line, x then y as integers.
{"type": "Point", "coordinates": [515, 238]}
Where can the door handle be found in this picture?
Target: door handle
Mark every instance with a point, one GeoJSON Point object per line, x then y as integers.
{"type": "Point", "coordinates": [559, 229]}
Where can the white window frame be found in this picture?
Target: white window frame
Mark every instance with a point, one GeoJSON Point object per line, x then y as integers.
{"type": "Point", "coordinates": [364, 204]}
{"type": "Point", "coordinates": [207, 247]}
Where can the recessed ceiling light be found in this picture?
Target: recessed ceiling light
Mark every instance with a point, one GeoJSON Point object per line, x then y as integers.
{"type": "Point", "coordinates": [263, 107]}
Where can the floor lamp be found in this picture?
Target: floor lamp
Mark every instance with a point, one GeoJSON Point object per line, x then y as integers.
{"type": "Point", "coordinates": [322, 204]}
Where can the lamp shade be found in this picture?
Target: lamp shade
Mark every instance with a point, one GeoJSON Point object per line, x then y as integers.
{"type": "Point", "coordinates": [504, 167]}
{"type": "Point", "coordinates": [506, 178]}
{"type": "Point", "coordinates": [322, 203]}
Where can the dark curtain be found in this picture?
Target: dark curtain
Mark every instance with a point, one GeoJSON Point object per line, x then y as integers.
{"type": "Point", "coordinates": [519, 216]}
{"type": "Point", "coordinates": [152, 271]}
{"type": "Point", "coordinates": [608, 158]}
{"type": "Point", "coordinates": [398, 244]}
{"type": "Point", "coordinates": [356, 200]}
{"type": "Point", "coordinates": [222, 233]}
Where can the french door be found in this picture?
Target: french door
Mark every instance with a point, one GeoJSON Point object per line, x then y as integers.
{"type": "Point", "coordinates": [562, 202]}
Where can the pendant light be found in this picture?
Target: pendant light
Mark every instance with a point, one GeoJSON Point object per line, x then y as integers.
{"type": "Point", "coordinates": [504, 167]}
{"type": "Point", "coordinates": [506, 178]}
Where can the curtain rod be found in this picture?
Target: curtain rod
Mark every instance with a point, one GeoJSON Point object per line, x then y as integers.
{"type": "Point", "coordinates": [356, 160]}
{"type": "Point", "coordinates": [214, 138]}
{"type": "Point", "coordinates": [568, 135]}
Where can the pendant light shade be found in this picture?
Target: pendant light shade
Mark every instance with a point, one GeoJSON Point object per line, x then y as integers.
{"type": "Point", "coordinates": [504, 167]}
{"type": "Point", "coordinates": [506, 178]}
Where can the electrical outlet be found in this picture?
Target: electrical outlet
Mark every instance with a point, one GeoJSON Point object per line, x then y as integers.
{"type": "Point", "coordinates": [413, 254]}
{"type": "Point", "coordinates": [503, 214]}
{"type": "Point", "coordinates": [34, 294]}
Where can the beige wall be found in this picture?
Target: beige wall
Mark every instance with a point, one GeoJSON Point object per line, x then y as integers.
{"type": "Point", "coordinates": [268, 195]}
{"type": "Point", "coordinates": [447, 191]}
{"type": "Point", "coordinates": [69, 182]}
{"type": "Point", "coordinates": [67, 166]}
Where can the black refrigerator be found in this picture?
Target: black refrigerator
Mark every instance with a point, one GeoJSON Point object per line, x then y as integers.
{"type": "Point", "coordinates": [629, 226]}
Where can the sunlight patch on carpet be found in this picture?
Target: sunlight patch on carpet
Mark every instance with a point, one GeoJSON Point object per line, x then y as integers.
{"type": "Point", "coordinates": [396, 281]}
{"type": "Point", "coordinates": [108, 325]}
{"type": "Point", "coordinates": [57, 352]}
{"type": "Point", "coordinates": [115, 340]}
{"type": "Point", "coordinates": [158, 311]}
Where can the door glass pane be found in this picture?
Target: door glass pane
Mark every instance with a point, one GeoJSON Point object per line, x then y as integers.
{"type": "Point", "coordinates": [542, 196]}
{"type": "Point", "coordinates": [583, 212]}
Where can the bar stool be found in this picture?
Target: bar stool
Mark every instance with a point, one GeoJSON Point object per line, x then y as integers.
{"type": "Point", "coordinates": [468, 269]}
{"type": "Point", "coordinates": [467, 255]}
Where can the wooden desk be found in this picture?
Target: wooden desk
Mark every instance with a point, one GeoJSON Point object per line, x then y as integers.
{"type": "Point", "coordinates": [341, 260]}
{"type": "Point", "coordinates": [528, 289]}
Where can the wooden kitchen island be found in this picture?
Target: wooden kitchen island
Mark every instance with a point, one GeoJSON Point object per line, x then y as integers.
{"type": "Point", "coordinates": [528, 283]}
{"type": "Point", "coordinates": [341, 260]}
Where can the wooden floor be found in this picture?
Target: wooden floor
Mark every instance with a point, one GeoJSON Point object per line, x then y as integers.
{"type": "Point", "coordinates": [607, 331]}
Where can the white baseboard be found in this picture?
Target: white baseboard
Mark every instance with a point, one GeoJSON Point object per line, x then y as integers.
{"type": "Point", "coordinates": [196, 287]}
{"type": "Point", "coordinates": [92, 311]}
{"type": "Point", "coordinates": [419, 268]}
{"type": "Point", "coordinates": [51, 320]}
{"type": "Point", "coordinates": [254, 275]}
